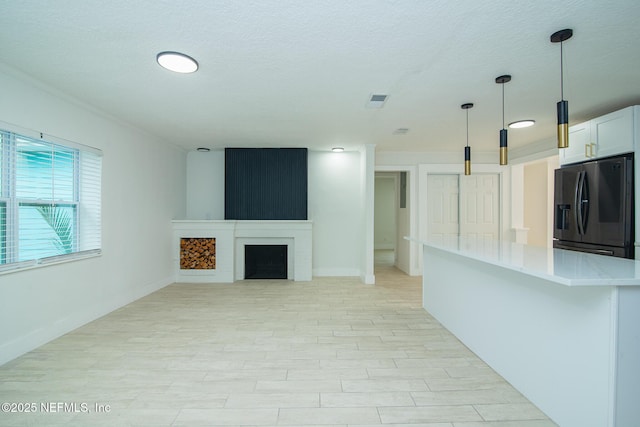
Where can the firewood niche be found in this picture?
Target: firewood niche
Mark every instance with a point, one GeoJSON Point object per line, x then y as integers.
{"type": "Point", "coordinates": [197, 253]}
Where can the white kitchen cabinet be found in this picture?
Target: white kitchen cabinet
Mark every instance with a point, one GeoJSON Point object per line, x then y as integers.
{"type": "Point", "coordinates": [613, 133]}
{"type": "Point", "coordinates": [579, 144]}
{"type": "Point", "coordinates": [603, 136]}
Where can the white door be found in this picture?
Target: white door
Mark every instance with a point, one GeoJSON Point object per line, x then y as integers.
{"type": "Point", "coordinates": [479, 206]}
{"type": "Point", "coordinates": [442, 206]}
{"type": "Point", "coordinates": [463, 205]}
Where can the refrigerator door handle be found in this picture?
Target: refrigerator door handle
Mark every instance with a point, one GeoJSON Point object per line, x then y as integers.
{"type": "Point", "coordinates": [578, 201]}
{"type": "Point", "coordinates": [584, 200]}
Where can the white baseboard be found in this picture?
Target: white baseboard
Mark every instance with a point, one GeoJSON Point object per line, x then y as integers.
{"type": "Point", "coordinates": [336, 272]}
{"type": "Point", "coordinates": [24, 344]}
{"type": "Point", "coordinates": [383, 246]}
{"type": "Point", "coordinates": [368, 279]}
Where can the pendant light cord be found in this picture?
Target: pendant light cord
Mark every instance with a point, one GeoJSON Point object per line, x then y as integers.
{"type": "Point", "coordinates": [467, 127]}
{"type": "Point", "coordinates": [502, 105]}
{"type": "Point", "coordinates": [561, 74]}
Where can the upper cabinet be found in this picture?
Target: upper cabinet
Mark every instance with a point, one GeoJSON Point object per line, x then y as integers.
{"type": "Point", "coordinates": [604, 136]}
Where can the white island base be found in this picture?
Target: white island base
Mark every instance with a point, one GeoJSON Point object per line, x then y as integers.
{"type": "Point", "coordinates": [562, 327]}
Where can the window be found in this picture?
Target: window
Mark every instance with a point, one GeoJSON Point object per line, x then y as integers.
{"type": "Point", "coordinates": [49, 201]}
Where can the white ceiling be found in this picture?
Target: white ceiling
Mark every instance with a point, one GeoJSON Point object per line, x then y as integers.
{"type": "Point", "coordinates": [299, 73]}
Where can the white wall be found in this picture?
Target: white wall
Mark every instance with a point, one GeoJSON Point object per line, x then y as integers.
{"type": "Point", "coordinates": [536, 206]}
{"type": "Point", "coordinates": [403, 217]}
{"type": "Point", "coordinates": [538, 200]}
{"type": "Point", "coordinates": [205, 185]}
{"type": "Point", "coordinates": [335, 197]}
{"type": "Point", "coordinates": [385, 211]}
{"type": "Point", "coordinates": [335, 207]}
{"type": "Point", "coordinates": [404, 158]}
{"type": "Point", "coordinates": [532, 199]}
{"type": "Point", "coordinates": [143, 181]}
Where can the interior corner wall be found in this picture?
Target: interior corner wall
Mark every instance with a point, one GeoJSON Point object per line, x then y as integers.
{"type": "Point", "coordinates": [143, 182]}
{"type": "Point", "coordinates": [335, 196]}
{"type": "Point", "coordinates": [205, 185]}
{"type": "Point", "coordinates": [535, 203]}
{"type": "Point", "coordinates": [367, 207]}
{"type": "Point", "coordinates": [537, 200]}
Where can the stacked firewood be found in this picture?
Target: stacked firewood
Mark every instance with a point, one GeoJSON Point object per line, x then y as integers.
{"type": "Point", "coordinates": [197, 253]}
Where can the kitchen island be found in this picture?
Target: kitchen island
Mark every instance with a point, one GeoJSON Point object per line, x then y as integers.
{"type": "Point", "coordinates": [563, 327]}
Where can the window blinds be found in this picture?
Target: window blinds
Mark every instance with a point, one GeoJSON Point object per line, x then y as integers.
{"type": "Point", "coordinates": [49, 201]}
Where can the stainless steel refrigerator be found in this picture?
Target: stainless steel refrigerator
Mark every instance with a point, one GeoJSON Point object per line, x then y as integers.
{"type": "Point", "coordinates": [594, 207]}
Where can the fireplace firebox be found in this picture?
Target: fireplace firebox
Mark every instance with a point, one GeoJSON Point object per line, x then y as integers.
{"type": "Point", "coordinates": [265, 262]}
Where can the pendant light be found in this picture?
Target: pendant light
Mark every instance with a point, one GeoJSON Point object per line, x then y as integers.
{"type": "Point", "coordinates": [562, 106]}
{"type": "Point", "coordinates": [503, 132]}
{"type": "Point", "coordinates": [467, 149]}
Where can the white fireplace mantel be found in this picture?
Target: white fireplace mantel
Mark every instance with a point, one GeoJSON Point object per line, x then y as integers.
{"type": "Point", "coordinates": [231, 236]}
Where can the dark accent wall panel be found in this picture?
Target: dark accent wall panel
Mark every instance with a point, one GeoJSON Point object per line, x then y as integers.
{"type": "Point", "coordinates": [265, 183]}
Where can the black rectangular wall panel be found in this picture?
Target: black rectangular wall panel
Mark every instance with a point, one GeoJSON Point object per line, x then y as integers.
{"type": "Point", "coordinates": [265, 183]}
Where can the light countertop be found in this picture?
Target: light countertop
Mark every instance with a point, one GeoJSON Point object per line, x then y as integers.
{"type": "Point", "coordinates": [569, 268]}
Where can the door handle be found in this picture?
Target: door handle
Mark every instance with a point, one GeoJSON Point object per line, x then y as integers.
{"type": "Point", "coordinates": [578, 202]}
{"type": "Point", "coordinates": [584, 196]}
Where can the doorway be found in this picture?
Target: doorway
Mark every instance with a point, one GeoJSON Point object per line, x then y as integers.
{"type": "Point", "coordinates": [385, 219]}
{"type": "Point", "coordinates": [393, 221]}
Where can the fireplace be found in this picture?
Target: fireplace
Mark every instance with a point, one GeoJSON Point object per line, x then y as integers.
{"type": "Point", "coordinates": [265, 261]}
{"type": "Point", "coordinates": [226, 263]}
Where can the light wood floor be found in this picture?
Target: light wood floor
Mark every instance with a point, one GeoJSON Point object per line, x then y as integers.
{"type": "Point", "coordinates": [331, 352]}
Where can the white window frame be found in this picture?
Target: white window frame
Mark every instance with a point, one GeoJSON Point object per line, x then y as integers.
{"type": "Point", "coordinates": [87, 170]}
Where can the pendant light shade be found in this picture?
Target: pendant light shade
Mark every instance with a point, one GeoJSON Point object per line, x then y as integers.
{"type": "Point", "coordinates": [562, 106]}
{"type": "Point", "coordinates": [503, 132]}
{"type": "Point", "coordinates": [467, 149]}
{"type": "Point", "coordinates": [504, 154]}
{"type": "Point", "coordinates": [467, 160]}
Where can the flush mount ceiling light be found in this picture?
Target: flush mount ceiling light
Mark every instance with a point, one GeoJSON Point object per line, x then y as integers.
{"type": "Point", "coordinates": [337, 149]}
{"type": "Point", "coordinates": [177, 62]}
{"type": "Point", "coordinates": [467, 149]}
{"type": "Point", "coordinates": [522, 124]}
{"type": "Point", "coordinates": [562, 106]}
{"type": "Point", "coordinates": [503, 132]}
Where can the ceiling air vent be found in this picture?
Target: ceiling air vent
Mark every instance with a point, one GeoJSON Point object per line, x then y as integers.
{"type": "Point", "coordinates": [401, 131]}
{"type": "Point", "coordinates": [377, 101]}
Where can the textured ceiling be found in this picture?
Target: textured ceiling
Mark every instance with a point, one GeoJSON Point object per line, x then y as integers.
{"type": "Point", "coordinates": [299, 73]}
